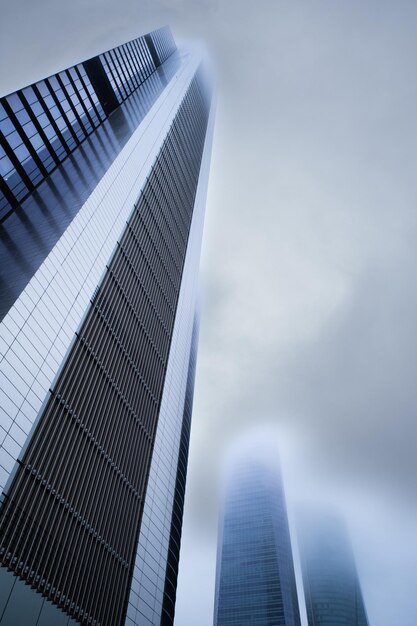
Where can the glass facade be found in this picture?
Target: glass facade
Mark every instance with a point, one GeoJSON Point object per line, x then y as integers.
{"type": "Point", "coordinates": [98, 348]}
{"type": "Point", "coordinates": [331, 585]}
{"type": "Point", "coordinates": [43, 123]}
{"type": "Point", "coordinates": [255, 582]}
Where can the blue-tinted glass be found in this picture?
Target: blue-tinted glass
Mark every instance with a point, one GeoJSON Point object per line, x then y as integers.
{"type": "Point", "coordinates": [6, 126]}
{"type": "Point", "coordinates": [23, 116]}
{"type": "Point", "coordinates": [255, 578]}
{"type": "Point", "coordinates": [15, 102]}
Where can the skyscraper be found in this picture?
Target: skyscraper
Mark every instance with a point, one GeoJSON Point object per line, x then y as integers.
{"type": "Point", "coordinates": [104, 175]}
{"type": "Point", "coordinates": [255, 580]}
{"type": "Point", "coordinates": [331, 585]}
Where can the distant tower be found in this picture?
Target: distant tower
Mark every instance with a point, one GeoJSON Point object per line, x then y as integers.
{"type": "Point", "coordinates": [255, 581]}
{"type": "Point", "coordinates": [331, 584]}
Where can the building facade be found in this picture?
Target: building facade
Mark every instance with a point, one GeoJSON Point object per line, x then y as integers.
{"type": "Point", "coordinates": [255, 580]}
{"type": "Point", "coordinates": [331, 585]}
{"type": "Point", "coordinates": [104, 176]}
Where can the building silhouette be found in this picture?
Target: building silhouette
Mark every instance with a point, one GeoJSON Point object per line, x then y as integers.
{"type": "Point", "coordinates": [331, 585]}
{"type": "Point", "coordinates": [255, 580]}
{"type": "Point", "coordinates": [104, 173]}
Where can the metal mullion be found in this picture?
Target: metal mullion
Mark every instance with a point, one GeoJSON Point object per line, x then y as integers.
{"type": "Point", "coordinates": [143, 329]}
{"type": "Point", "coordinates": [122, 497]}
{"type": "Point", "coordinates": [108, 568]}
{"type": "Point", "coordinates": [170, 179]}
{"type": "Point", "coordinates": [74, 484]}
{"type": "Point", "coordinates": [150, 361]}
{"type": "Point", "coordinates": [184, 163]}
{"type": "Point", "coordinates": [44, 513]}
{"type": "Point", "coordinates": [131, 460]}
{"type": "Point", "coordinates": [28, 552]}
{"type": "Point", "coordinates": [108, 512]}
{"type": "Point", "coordinates": [155, 239]}
{"type": "Point", "coordinates": [84, 540]}
{"type": "Point", "coordinates": [122, 413]}
{"type": "Point", "coordinates": [151, 213]}
{"type": "Point", "coordinates": [104, 389]}
{"type": "Point", "coordinates": [25, 486]}
{"type": "Point", "coordinates": [142, 74]}
{"type": "Point", "coordinates": [112, 599]}
{"type": "Point", "coordinates": [179, 165]}
{"type": "Point", "coordinates": [67, 519]}
{"type": "Point", "coordinates": [125, 65]}
{"type": "Point", "coordinates": [112, 67]}
{"type": "Point", "coordinates": [182, 187]}
{"type": "Point", "coordinates": [78, 445]}
{"type": "Point", "coordinates": [73, 468]}
{"type": "Point", "coordinates": [143, 454]}
{"type": "Point", "coordinates": [131, 506]}
{"type": "Point", "coordinates": [150, 272]}
{"type": "Point", "coordinates": [83, 531]}
{"type": "Point", "coordinates": [168, 203]}
{"type": "Point", "coordinates": [61, 110]}
{"type": "Point", "coordinates": [80, 99]}
{"type": "Point", "coordinates": [79, 385]}
{"type": "Point", "coordinates": [108, 69]}
{"type": "Point", "coordinates": [32, 458]}
{"type": "Point", "coordinates": [39, 128]}
{"type": "Point", "coordinates": [142, 60]}
{"type": "Point", "coordinates": [113, 402]}
{"type": "Point", "coordinates": [119, 71]}
{"type": "Point", "coordinates": [10, 197]}
{"type": "Point", "coordinates": [88, 540]}
{"type": "Point", "coordinates": [16, 163]}
{"type": "Point", "coordinates": [151, 67]}
{"type": "Point", "coordinates": [144, 445]}
{"type": "Point", "coordinates": [127, 355]}
{"type": "Point", "coordinates": [120, 373]}
{"type": "Point", "coordinates": [96, 471]}
{"type": "Point", "coordinates": [25, 139]}
{"type": "Point", "coordinates": [163, 214]}
{"type": "Point", "coordinates": [87, 91]}
{"type": "Point", "coordinates": [125, 52]}
{"type": "Point", "coordinates": [72, 105]}
{"type": "Point", "coordinates": [136, 61]}
{"type": "Point", "coordinates": [144, 57]}
{"type": "Point", "coordinates": [116, 313]}
{"type": "Point", "coordinates": [122, 68]}
{"type": "Point", "coordinates": [18, 523]}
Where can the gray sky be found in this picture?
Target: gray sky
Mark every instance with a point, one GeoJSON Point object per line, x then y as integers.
{"type": "Point", "coordinates": [309, 262]}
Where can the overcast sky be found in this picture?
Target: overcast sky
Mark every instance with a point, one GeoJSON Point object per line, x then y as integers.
{"type": "Point", "coordinates": [309, 267]}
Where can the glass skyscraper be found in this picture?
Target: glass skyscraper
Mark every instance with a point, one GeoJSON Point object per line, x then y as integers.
{"type": "Point", "coordinates": [255, 580]}
{"type": "Point", "coordinates": [331, 585]}
{"type": "Point", "coordinates": [104, 170]}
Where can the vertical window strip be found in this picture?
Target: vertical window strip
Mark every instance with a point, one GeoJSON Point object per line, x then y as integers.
{"type": "Point", "coordinates": [81, 101]}
{"type": "Point", "coordinates": [72, 101]}
{"type": "Point", "coordinates": [129, 68]}
{"type": "Point", "coordinates": [136, 63]}
{"type": "Point", "coordinates": [36, 167]}
{"type": "Point", "coordinates": [122, 71]}
{"type": "Point", "coordinates": [90, 91]}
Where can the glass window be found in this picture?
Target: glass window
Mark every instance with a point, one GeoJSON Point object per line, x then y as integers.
{"type": "Point", "coordinates": [15, 102]}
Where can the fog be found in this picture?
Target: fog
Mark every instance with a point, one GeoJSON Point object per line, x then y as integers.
{"type": "Point", "coordinates": [309, 259]}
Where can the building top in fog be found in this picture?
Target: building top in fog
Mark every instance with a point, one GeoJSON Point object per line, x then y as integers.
{"type": "Point", "coordinates": [331, 584]}
{"type": "Point", "coordinates": [255, 581]}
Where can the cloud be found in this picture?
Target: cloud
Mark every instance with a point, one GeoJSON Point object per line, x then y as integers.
{"type": "Point", "coordinates": [309, 261]}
